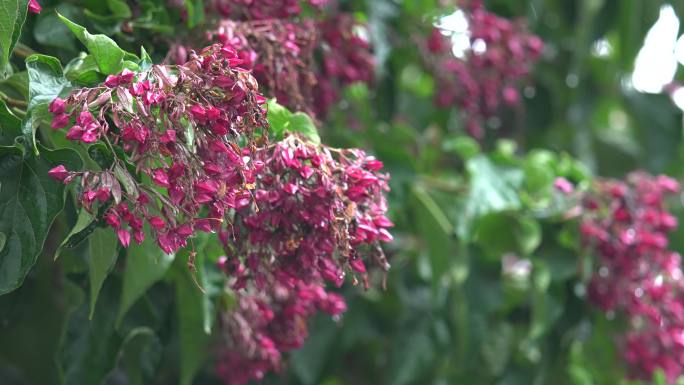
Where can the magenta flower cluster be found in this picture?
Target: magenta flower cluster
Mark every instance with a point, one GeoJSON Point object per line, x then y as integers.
{"type": "Point", "coordinates": [280, 54]}
{"type": "Point", "coordinates": [179, 128]}
{"type": "Point", "coordinates": [190, 154]}
{"type": "Point", "coordinates": [303, 62]}
{"type": "Point", "coordinates": [347, 59]}
{"type": "Point", "coordinates": [319, 214]}
{"type": "Point", "coordinates": [501, 54]}
{"type": "Point", "coordinates": [626, 226]}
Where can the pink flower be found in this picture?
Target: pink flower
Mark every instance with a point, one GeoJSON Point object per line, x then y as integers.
{"type": "Point", "coordinates": [126, 76]}
{"type": "Point", "coordinates": [112, 81]}
{"type": "Point", "coordinates": [59, 173]}
{"type": "Point", "coordinates": [34, 6]}
{"type": "Point", "coordinates": [113, 220]}
{"type": "Point", "coordinates": [160, 177]}
{"type": "Point", "coordinates": [75, 133]}
{"type": "Point", "coordinates": [563, 185]}
{"type": "Point", "coordinates": [59, 121]}
{"type": "Point", "coordinates": [157, 223]}
{"type": "Point", "coordinates": [57, 106]}
{"type": "Point", "coordinates": [124, 237]}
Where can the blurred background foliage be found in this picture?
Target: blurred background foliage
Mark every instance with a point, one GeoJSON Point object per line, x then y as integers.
{"type": "Point", "coordinates": [487, 284]}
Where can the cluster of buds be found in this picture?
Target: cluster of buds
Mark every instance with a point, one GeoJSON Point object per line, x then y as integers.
{"type": "Point", "coordinates": [501, 53]}
{"type": "Point", "coordinates": [626, 226]}
{"type": "Point", "coordinates": [179, 129]}
{"type": "Point", "coordinates": [318, 215]}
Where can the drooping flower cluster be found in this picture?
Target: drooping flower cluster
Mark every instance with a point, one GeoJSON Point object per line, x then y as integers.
{"type": "Point", "coordinates": [179, 128]}
{"type": "Point", "coordinates": [318, 215]}
{"type": "Point", "coordinates": [347, 59]}
{"type": "Point", "coordinates": [626, 226]}
{"type": "Point", "coordinates": [266, 324]}
{"type": "Point", "coordinates": [499, 55]}
{"type": "Point", "coordinates": [301, 61]}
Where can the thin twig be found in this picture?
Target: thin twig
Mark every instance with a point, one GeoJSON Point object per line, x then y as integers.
{"type": "Point", "coordinates": [13, 102]}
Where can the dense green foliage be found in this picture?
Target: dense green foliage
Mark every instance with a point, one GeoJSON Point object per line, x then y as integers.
{"type": "Point", "coordinates": [488, 278]}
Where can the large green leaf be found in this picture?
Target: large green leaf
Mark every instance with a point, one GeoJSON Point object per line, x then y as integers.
{"type": "Point", "coordinates": [90, 348]}
{"type": "Point", "coordinates": [50, 31]}
{"type": "Point", "coordinates": [84, 226]}
{"type": "Point", "coordinates": [146, 264]}
{"type": "Point", "coordinates": [500, 233]}
{"type": "Point", "coordinates": [302, 123]}
{"type": "Point", "coordinates": [12, 17]}
{"type": "Point", "coordinates": [191, 316]}
{"type": "Point", "coordinates": [494, 187]}
{"type": "Point", "coordinates": [46, 82]}
{"type": "Point", "coordinates": [10, 125]}
{"type": "Point", "coordinates": [102, 250]}
{"type": "Point", "coordinates": [107, 54]}
{"type": "Point", "coordinates": [29, 202]}
{"type": "Point", "coordinates": [141, 355]}
{"type": "Point", "coordinates": [435, 230]}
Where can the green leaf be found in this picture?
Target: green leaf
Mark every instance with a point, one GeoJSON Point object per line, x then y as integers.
{"type": "Point", "coordinates": [146, 264]}
{"type": "Point", "coordinates": [546, 309]}
{"type": "Point", "coordinates": [281, 121]}
{"type": "Point", "coordinates": [278, 118]}
{"type": "Point", "coordinates": [3, 240]}
{"type": "Point", "coordinates": [15, 85]}
{"type": "Point", "coordinates": [540, 172]}
{"type": "Point", "coordinates": [500, 233]}
{"type": "Point", "coordinates": [10, 125]}
{"type": "Point", "coordinates": [102, 256]}
{"type": "Point", "coordinates": [83, 70]}
{"type": "Point", "coordinates": [302, 123]}
{"type": "Point", "coordinates": [194, 339]}
{"type": "Point", "coordinates": [463, 146]}
{"type": "Point", "coordinates": [126, 180]}
{"type": "Point", "coordinates": [195, 11]}
{"type": "Point", "coordinates": [119, 8]}
{"type": "Point", "coordinates": [493, 187]}
{"type": "Point", "coordinates": [406, 365]}
{"type": "Point", "coordinates": [309, 361]}
{"type": "Point", "coordinates": [496, 348]}
{"type": "Point", "coordinates": [107, 54]}
{"type": "Point", "coordinates": [90, 347]}
{"type": "Point", "coordinates": [435, 230]}
{"type": "Point", "coordinates": [85, 225]}
{"type": "Point", "coordinates": [50, 31]}
{"type": "Point", "coordinates": [29, 202]}
{"type": "Point", "coordinates": [141, 356]}
{"type": "Point", "coordinates": [46, 82]}
{"type": "Point", "coordinates": [12, 17]}
{"type": "Point", "coordinates": [145, 60]}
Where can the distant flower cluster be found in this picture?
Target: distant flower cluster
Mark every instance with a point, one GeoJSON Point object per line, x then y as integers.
{"type": "Point", "coordinates": [626, 224]}
{"type": "Point", "coordinates": [303, 61]}
{"type": "Point", "coordinates": [502, 52]}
